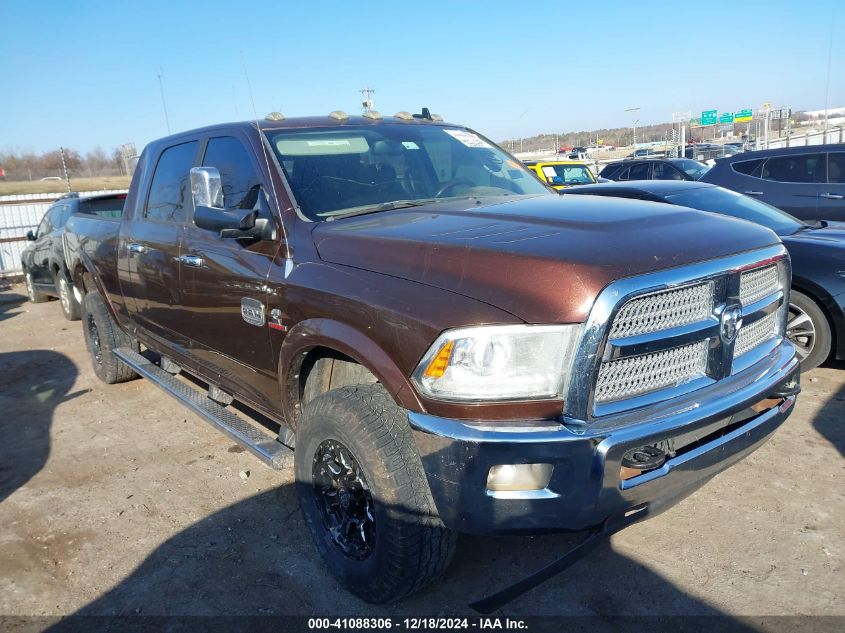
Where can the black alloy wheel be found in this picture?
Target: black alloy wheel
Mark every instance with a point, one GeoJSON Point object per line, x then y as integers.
{"type": "Point", "coordinates": [344, 499]}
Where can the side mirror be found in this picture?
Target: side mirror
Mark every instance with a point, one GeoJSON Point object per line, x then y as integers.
{"type": "Point", "coordinates": [30, 236]}
{"type": "Point", "coordinates": [206, 187]}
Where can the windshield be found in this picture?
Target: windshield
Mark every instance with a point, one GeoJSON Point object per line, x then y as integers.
{"type": "Point", "coordinates": [569, 174]}
{"type": "Point", "coordinates": [346, 170]}
{"type": "Point", "coordinates": [691, 168]}
{"type": "Point", "coordinates": [739, 206]}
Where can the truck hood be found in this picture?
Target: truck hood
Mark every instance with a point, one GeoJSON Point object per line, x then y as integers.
{"type": "Point", "coordinates": [544, 259]}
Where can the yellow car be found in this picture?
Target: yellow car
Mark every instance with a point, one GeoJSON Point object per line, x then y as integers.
{"type": "Point", "coordinates": [561, 173]}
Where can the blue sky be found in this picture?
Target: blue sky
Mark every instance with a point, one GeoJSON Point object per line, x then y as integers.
{"type": "Point", "coordinates": [84, 74]}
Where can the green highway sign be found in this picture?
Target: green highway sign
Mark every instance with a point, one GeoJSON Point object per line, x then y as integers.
{"type": "Point", "coordinates": [743, 116]}
{"type": "Point", "coordinates": [708, 117]}
{"type": "Point", "coordinates": [727, 117]}
{"type": "Point", "coordinates": [695, 122]}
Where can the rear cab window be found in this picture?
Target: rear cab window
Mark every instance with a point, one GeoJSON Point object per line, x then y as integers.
{"type": "Point", "coordinates": [110, 208]}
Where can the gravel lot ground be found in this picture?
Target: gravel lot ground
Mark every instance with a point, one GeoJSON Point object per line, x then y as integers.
{"type": "Point", "coordinates": [117, 500]}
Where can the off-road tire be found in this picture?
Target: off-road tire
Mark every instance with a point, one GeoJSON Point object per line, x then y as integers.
{"type": "Point", "coordinates": [71, 309]}
{"type": "Point", "coordinates": [822, 337]}
{"type": "Point", "coordinates": [102, 337]}
{"type": "Point", "coordinates": [411, 547]}
{"type": "Point", "coordinates": [32, 294]}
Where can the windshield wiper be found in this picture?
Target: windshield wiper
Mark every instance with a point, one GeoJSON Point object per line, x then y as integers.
{"type": "Point", "coordinates": [382, 206]}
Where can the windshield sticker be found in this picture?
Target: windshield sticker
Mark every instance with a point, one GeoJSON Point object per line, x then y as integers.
{"type": "Point", "coordinates": [467, 138]}
{"type": "Point", "coordinates": [549, 171]}
{"type": "Point", "coordinates": [410, 145]}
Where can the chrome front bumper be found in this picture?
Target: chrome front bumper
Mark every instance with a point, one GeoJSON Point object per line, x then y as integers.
{"type": "Point", "coordinates": [711, 429]}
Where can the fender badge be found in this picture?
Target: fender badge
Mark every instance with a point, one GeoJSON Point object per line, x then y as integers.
{"type": "Point", "coordinates": [252, 311]}
{"type": "Point", "coordinates": [275, 320]}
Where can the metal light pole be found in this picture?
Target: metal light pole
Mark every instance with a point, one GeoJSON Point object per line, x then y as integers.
{"type": "Point", "coordinates": [636, 120]}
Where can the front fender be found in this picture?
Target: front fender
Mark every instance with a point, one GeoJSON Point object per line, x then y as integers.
{"type": "Point", "coordinates": [311, 333]}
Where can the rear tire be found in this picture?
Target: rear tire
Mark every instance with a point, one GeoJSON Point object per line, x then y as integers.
{"type": "Point", "coordinates": [102, 337]}
{"type": "Point", "coordinates": [365, 497]}
{"type": "Point", "coordinates": [70, 306]}
{"type": "Point", "coordinates": [808, 329]}
{"type": "Point", "coordinates": [34, 295]}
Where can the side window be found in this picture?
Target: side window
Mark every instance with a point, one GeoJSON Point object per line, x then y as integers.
{"type": "Point", "coordinates": [45, 226]}
{"type": "Point", "coordinates": [237, 173]}
{"type": "Point", "coordinates": [623, 174]}
{"type": "Point", "coordinates": [795, 168]}
{"type": "Point", "coordinates": [62, 213]}
{"type": "Point", "coordinates": [836, 167]}
{"type": "Point", "coordinates": [610, 170]}
{"type": "Point", "coordinates": [639, 172]}
{"type": "Point", "coordinates": [749, 167]}
{"type": "Point", "coordinates": [170, 192]}
{"type": "Point", "coordinates": [664, 171]}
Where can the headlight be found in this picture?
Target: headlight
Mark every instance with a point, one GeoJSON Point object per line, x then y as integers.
{"type": "Point", "coordinates": [499, 362]}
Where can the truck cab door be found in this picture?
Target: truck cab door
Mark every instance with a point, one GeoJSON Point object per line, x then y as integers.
{"type": "Point", "coordinates": [224, 284]}
{"type": "Point", "coordinates": [151, 242]}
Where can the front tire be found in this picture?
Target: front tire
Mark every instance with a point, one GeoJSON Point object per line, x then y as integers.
{"type": "Point", "coordinates": [34, 295]}
{"type": "Point", "coordinates": [808, 329]}
{"type": "Point", "coordinates": [365, 497]}
{"type": "Point", "coordinates": [102, 337]}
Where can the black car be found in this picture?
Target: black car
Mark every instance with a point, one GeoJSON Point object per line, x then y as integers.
{"type": "Point", "coordinates": [807, 182]}
{"type": "Point", "coordinates": [816, 320]}
{"type": "Point", "coordinates": [43, 260]}
{"type": "Point", "coordinates": [654, 169]}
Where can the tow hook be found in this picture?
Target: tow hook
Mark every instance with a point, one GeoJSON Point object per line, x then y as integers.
{"type": "Point", "coordinates": [641, 459]}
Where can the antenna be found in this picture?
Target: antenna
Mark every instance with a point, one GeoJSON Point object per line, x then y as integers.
{"type": "Point", "coordinates": [163, 102]}
{"type": "Point", "coordinates": [267, 162]}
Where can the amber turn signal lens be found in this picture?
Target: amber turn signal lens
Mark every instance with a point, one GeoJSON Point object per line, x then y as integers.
{"type": "Point", "coordinates": [437, 367]}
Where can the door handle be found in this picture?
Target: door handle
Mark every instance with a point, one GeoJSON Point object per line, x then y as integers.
{"type": "Point", "coordinates": [134, 247]}
{"type": "Point", "coordinates": [753, 193]}
{"type": "Point", "coordinates": [191, 260]}
{"type": "Point", "coordinates": [831, 196]}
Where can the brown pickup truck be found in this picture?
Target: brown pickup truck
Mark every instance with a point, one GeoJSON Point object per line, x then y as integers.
{"type": "Point", "coordinates": [442, 343]}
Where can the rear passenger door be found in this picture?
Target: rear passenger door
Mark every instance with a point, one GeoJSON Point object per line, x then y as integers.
{"type": "Point", "coordinates": [220, 275]}
{"type": "Point", "coordinates": [831, 201]}
{"type": "Point", "coordinates": [153, 241]}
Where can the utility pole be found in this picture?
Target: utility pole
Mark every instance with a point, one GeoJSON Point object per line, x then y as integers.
{"type": "Point", "coordinates": [368, 103]}
{"type": "Point", "coordinates": [64, 168]}
{"type": "Point", "coordinates": [163, 102]}
{"type": "Point", "coordinates": [634, 112]}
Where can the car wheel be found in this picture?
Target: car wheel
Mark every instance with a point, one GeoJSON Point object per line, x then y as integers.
{"type": "Point", "coordinates": [34, 295]}
{"type": "Point", "coordinates": [70, 306]}
{"type": "Point", "coordinates": [365, 497]}
{"type": "Point", "coordinates": [102, 337]}
{"type": "Point", "coordinates": [808, 330]}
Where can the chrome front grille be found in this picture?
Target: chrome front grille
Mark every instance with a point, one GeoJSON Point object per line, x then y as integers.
{"type": "Point", "coordinates": [679, 330]}
{"type": "Point", "coordinates": [758, 283]}
{"type": "Point", "coordinates": [649, 372]}
{"type": "Point", "coordinates": [755, 334]}
{"type": "Point", "coordinates": [663, 310]}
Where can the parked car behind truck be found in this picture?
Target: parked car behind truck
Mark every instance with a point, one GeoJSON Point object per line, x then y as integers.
{"type": "Point", "coordinates": [43, 261]}
{"type": "Point", "coordinates": [447, 345]}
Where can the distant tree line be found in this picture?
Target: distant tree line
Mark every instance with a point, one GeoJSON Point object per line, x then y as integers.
{"type": "Point", "coordinates": [25, 165]}
{"type": "Point", "coordinates": [617, 137]}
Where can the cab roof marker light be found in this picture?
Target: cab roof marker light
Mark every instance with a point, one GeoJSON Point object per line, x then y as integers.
{"type": "Point", "coordinates": [275, 116]}
{"type": "Point", "coordinates": [405, 116]}
{"type": "Point", "coordinates": [372, 114]}
{"type": "Point", "coordinates": [437, 117]}
{"type": "Point", "coordinates": [338, 115]}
